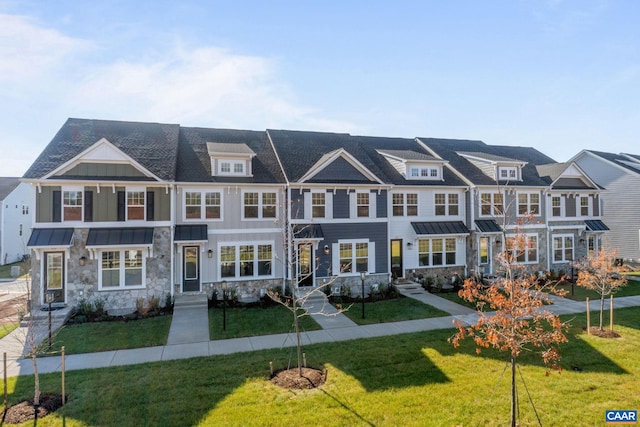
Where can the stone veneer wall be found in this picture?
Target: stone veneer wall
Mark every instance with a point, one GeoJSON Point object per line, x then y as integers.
{"type": "Point", "coordinates": [82, 281]}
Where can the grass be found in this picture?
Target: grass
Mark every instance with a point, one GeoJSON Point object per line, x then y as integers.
{"type": "Point", "coordinates": [392, 310]}
{"type": "Point", "coordinates": [453, 297]}
{"type": "Point", "coordinates": [414, 379]}
{"type": "Point", "coordinates": [104, 336]}
{"type": "Point", "coordinates": [581, 294]}
{"type": "Point", "coordinates": [252, 321]}
{"type": "Point", "coordinates": [5, 270]}
{"type": "Point", "coordinates": [7, 329]}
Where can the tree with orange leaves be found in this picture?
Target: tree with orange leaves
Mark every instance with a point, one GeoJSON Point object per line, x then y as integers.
{"type": "Point", "coordinates": [511, 312]}
{"type": "Point", "coordinates": [601, 274]}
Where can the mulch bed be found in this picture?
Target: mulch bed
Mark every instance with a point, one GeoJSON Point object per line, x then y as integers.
{"type": "Point", "coordinates": [25, 411]}
{"type": "Point", "coordinates": [290, 379]}
{"type": "Point", "coordinates": [603, 333]}
{"type": "Point", "coordinates": [9, 309]}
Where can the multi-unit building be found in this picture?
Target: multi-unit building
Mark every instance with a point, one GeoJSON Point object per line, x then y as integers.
{"type": "Point", "coordinates": [137, 210]}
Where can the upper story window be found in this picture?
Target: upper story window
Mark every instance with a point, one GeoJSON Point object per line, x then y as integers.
{"type": "Point", "coordinates": [135, 205]}
{"type": "Point", "coordinates": [72, 206]}
{"type": "Point", "coordinates": [415, 172]}
{"type": "Point", "coordinates": [528, 203]}
{"type": "Point", "coordinates": [318, 204]}
{"type": "Point", "coordinates": [491, 204]}
{"type": "Point", "coordinates": [584, 205]}
{"type": "Point", "coordinates": [446, 204]}
{"type": "Point", "coordinates": [431, 172]}
{"type": "Point", "coordinates": [25, 210]}
{"type": "Point", "coordinates": [362, 202]}
{"type": "Point", "coordinates": [230, 159]}
{"type": "Point", "coordinates": [196, 209]}
{"type": "Point", "coordinates": [227, 167]}
{"type": "Point", "coordinates": [507, 173]}
{"type": "Point", "coordinates": [556, 206]}
{"type": "Point", "coordinates": [404, 204]}
{"type": "Point", "coordinates": [258, 205]}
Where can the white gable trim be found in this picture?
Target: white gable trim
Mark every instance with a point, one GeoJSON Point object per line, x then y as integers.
{"type": "Point", "coordinates": [329, 158]}
{"type": "Point", "coordinates": [102, 151]}
{"type": "Point", "coordinates": [575, 171]}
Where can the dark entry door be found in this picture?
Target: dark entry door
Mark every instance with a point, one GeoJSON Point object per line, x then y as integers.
{"type": "Point", "coordinates": [305, 264]}
{"type": "Point", "coordinates": [396, 258]}
{"type": "Point", "coordinates": [54, 274]}
{"type": "Point", "coordinates": [191, 269]}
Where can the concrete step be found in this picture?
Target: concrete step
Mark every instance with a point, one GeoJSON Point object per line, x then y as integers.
{"type": "Point", "coordinates": [190, 300]}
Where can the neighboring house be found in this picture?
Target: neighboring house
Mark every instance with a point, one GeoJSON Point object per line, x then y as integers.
{"type": "Point", "coordinates": [619, 176]}
{"type": "Point", "coordinates": [15, 219]}
{"type": "Point", "coordinates": [126, 211]}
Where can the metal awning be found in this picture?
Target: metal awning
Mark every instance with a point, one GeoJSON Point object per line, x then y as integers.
{"type": "Point", "coordinates": [440, 227]}
{"type": "Point", "coordinates": [488, 226]}
{"type": "Point", "coordinates": [50, 237]}
{"type": "Point", "coordinates": [308, 232]}
{"type": "Point", "coordinates": [191, 233]}
{"type": "Point", "coordinates": [596, 225]}
{"type": "Point", "coordinates": [130, 236]}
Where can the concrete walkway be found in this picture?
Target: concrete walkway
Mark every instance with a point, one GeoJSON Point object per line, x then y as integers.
{"type": "Point", "coordinates": [335, 329]}
{"type": "Point", "coordinates": [190, 322]}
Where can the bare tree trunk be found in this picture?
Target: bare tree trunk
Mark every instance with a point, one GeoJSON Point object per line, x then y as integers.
{"type": "Point", "coordinates": [513, 391]}
{"type": "Point", "coordinates": [296, 325]}
{"type": "Point", "coordinates": [601, 310]}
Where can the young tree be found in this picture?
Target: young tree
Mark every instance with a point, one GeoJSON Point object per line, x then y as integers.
{"type": "Point", "coordinates": [601, 274]}
{"type": "Point", "coordinates": [518, 321]}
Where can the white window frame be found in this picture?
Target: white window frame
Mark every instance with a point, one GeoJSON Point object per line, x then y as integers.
{"type": "Point", "coordinates": [122, 269]}
{"type": "Point", "coordinates": [336, 258]}
{"type": "Point", "coordinates": [529, 204]}
{"type": "Point", "coordinates": [492, 204]}
{"type": "Point", "coordinates": [563, 238]}
{"type": "Point", "coordinates": [328, 205]}
{"type": "Point", "coordinates": [233, 164]}
{"type": "Point", "coordinates": [405, 204]}
{"type": "Point", "coordinates": [511, 173]}
{"type": "Point", "coordinates": [447, 204]}
{"type": "Point", "coordinates": [203, 204]}
{"type": "Point", "coordinates": [260, 205]}
{"type": "Point", "coordinates": [443, 252]}
{"type": "Point", "coordinates": [81, 206]}
{"type": "Point", "coordinates": [130, 190]}
{"type": "Point", "coordinates": [560, 206]}
{"type": "Point", "coordinates": [423, 172]}
{"type": "Point", "coordinates": [238, 261]}
{"type": "Point", "coordinates": [525, 251]}
{"type": "Point", "coordinates": [580, 206]}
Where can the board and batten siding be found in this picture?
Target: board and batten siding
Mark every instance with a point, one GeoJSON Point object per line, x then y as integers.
{"type": "Point", "coordinates": [620, 204]}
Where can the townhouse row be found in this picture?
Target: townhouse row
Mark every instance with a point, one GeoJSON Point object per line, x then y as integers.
{"type": "Point", "coordinates": [127, 210]}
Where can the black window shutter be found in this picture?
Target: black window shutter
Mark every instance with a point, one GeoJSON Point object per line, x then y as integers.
{"type": "Point", "coordinates": [150, 207]}
{"type": "Point", "coordinates": [56, 206]}
{"type": "Point", "coordinates": [88, 206]}
{"type": "Point", "coordinates": [121, 205]}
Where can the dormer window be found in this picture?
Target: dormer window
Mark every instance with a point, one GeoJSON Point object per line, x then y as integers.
{"type": "Point", "coordinates": [230, 159]}
{"type": "Point", "coordinates": [508, 173]}
{"type": "Point", "coordinates": [413, 165]}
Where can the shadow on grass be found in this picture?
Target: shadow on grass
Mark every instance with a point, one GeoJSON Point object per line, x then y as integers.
{"type": "Point", "coordinates": [183, 392]}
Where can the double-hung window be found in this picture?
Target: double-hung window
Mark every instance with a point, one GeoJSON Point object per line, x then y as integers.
{"type": "Point", "coordinates": [436, 252]}
{"type": "Point", "coordinates": [72, 206]}
{"type": "Point", "coordinates": [491, 204]}
{"type": "Point", "coordinates": [528, 203]}
{"type": "Point", "coordinates": [246, 260]}
{"type": "Point", "coordinates": [563, 248]}
{"type": "Point", "coordinates": [446, 204]}
{"type": "Point", "coordinates": [362, 203]}
{"type": "Point", "coordinates": [354, 257]}
{"type": "Point", "coordinates": [400, 208]}
{"type": "Point", "coordinates": [584, 205]}
{"type": "Point", "coordinates": [194, 208]}
{"type": "Point", "coordinates": [318, 204]}
{"type": "Point", "coordinates": [259, 205]}
{"type": "Point", "coordinates": [135, 205]}
{"type": "Point", "coordinates": [556, 206]}
{"type": "Point", "coordinates": [121, 269]}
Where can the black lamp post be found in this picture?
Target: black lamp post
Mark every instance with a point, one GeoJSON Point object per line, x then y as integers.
{"type": "Point", "coordinates": [224, 305]}
{"type": "Point", "coordinates": [49, 297]}
{"type": "Point", "coordinates": [362, 277]}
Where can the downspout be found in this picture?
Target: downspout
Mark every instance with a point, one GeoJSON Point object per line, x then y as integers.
{"type": "Point", "coordinates": [172, 199]}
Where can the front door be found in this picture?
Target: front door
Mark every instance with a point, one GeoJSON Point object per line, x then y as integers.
{"type": "Point", "coordinates": [396, 258]}
{"type": "Point", "coordinates": [54, 275]}
{"type": "Point", "coordinates": [191, 269]}
{"type": "Point", "coordinates": [305, 264]}
{"type": "Point", "coordinates": [484, 254]}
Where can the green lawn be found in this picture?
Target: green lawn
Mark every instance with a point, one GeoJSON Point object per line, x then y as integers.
{"type": "Point", "coordinates": [7, 329]}
{"type": "Point", "coordinates": [392, 310]}
{"type": "Point", "coordinates": [453, 296]}
{"type": "Point", "coordinates": [5, 270]}
{"type": "Point", "coordinates": [410, 380]}
{"type": "Point", "coordinates": [252, 321]}
{"type": "Point", "coordinates": [103, 336]}
{"type": "Point", "coordinates": [580, 294]}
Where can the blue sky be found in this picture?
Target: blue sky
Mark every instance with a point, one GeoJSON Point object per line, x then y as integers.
{"type": "Point", "coordinates": [560, 76]}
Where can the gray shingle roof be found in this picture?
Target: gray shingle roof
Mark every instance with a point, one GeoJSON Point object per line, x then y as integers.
{"type": "Point", "coordinates": [7, 185]}
{"type": "Point", "coordinates": [194, 162]}
{"type": "Point", "coordinates": [618, 159]}
{"type": "Point", "coordinates": [153, 145]}
{"type": "Point", "coordinates": [409, 155]}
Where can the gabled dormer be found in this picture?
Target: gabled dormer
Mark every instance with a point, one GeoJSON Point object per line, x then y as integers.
{"type": "Point", "coordinates": [566, 176]}
{"type": "Point", "coordinates": [413, 165]}
{"type": "Point", "coordinates": [339, 166]}
{"type": "Point", "coordinates": [501, 169]}
{"type": "Point", "coordinates": [232, 160]}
